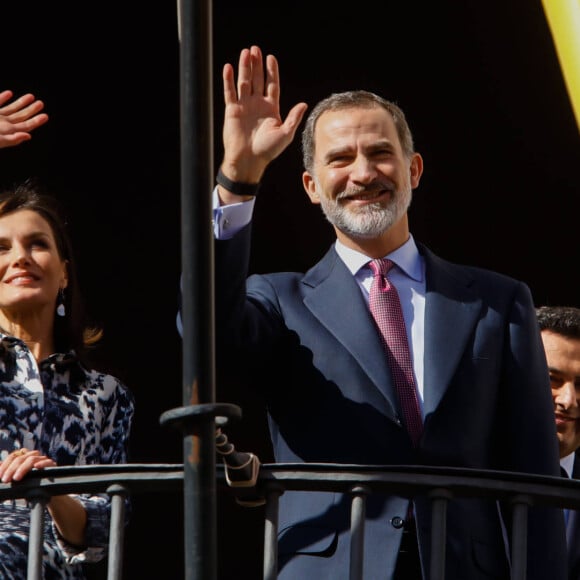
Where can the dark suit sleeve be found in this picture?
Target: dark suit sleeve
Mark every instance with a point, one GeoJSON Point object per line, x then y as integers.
{"type": "Point", "coordinates": [529, 433]}
{"type": "Point", "coordinates": [528, 426]}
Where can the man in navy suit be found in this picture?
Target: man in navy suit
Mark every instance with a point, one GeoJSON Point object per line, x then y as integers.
{"type": "Point", "coordinates": [309, 345]}
{"type": "Point", "coordinates": [560, 331]}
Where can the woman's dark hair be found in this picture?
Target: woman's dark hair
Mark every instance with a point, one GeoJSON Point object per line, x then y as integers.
{"type": "Point", "coordinates": [70, 331]}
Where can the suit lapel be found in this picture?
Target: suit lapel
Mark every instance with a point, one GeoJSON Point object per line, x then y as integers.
{"type": "Point", "coordinates": [451, 311]}
{"type": "Point", "coordinates": [336, 301]}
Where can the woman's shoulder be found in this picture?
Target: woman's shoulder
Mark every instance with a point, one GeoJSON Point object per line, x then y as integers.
{"type": "Point", "coordinates": [105, 383]}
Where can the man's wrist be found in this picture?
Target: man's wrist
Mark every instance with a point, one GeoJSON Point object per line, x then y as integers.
{"type": "Point", "coordinates": [237, 187]}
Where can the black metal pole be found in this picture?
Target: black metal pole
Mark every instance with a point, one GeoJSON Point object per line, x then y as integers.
{"type": "Point", "coordinates": [196, 103]}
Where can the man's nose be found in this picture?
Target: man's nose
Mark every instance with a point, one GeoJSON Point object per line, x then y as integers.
{"type": "Point", "coordinates": [363, 170]}
{"type": "Point", "coordinates": [566, 396]}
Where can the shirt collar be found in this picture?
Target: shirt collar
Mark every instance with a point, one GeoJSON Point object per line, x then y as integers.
{"type": "Point", "coordinates": [406, 257]}
{"type": "Point", "coordinates": [61, 358]}
{"type": "Point", "coordinates": [568, 463]}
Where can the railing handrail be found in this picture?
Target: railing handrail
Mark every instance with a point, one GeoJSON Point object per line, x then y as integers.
{"type": "Point", "coordinates": [411, 480]}
{"type": "Point", "coordinates": [439, 484]}
{"type": "Point", "coordinates": [137, 477]}
{"type": "Point", "coordinates": [405, 480]}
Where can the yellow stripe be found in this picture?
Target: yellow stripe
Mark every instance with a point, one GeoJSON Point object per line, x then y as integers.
{"type": "Point", "coordinates": [563, 18]}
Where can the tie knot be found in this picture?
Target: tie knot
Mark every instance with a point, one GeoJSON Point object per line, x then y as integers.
{"type": "Point", "coordinates": [381, 266]}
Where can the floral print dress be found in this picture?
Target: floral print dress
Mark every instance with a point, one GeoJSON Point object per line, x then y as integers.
{"type": "Point", "coordinates": [75, 416]}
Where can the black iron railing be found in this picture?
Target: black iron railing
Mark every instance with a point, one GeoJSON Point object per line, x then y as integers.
{"type": "Point", "coordinates": [441, 485]}
{"type": "Point", "coordinates": [119, 481]}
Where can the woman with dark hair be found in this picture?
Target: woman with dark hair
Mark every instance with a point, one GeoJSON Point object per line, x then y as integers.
{"type": "Point", "coordinates": [54, 408]}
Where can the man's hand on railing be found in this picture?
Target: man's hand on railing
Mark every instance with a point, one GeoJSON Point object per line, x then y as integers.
{"type": "Point", "coordinates": [241, 469]}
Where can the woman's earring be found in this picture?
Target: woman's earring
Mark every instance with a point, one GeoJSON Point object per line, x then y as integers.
{"type": "Point", "coordinates": [60, 309]}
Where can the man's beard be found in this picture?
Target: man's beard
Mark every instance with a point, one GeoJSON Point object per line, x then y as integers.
{"type": "Point", "coordinates": [371, 219]}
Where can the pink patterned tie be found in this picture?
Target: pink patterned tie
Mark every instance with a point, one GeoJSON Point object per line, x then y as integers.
{"type": "Point", "coordinates": [386, 310]}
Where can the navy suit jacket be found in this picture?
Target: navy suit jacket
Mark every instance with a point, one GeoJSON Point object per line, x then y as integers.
{"type": "Point", "coordinates": [308, 343]}
{"type": "Point", "coordinates": [573, 530]}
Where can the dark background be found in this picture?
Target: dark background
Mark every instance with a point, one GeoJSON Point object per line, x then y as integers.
{"type": "Point", "coordinates": [483, 92]}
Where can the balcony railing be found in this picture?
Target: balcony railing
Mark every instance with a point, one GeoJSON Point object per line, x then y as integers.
{"type": "Point", "coordinates": [441, 485]}
{"type": "Point", "coordinates": [119, 481]}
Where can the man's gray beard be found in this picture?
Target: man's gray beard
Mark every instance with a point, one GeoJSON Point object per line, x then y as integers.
{"type": "Point", "coordinates": [368, 221]}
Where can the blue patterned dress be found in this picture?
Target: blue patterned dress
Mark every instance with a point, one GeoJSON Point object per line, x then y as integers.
{"type": "Point", "coordinates": [75, 416]}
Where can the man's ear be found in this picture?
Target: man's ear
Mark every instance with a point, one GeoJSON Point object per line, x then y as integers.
{"type": "Point", "coordinates": [416, 169]}
{"type": "Point", "coordinates": [309, 184]}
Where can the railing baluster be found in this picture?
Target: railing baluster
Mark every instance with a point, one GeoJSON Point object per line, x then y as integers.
{"type": "Point", "coordinates": [271, 533]}
{"type": "Point", "coordinates": [118, 495]}
{"type": "Point", "coordinates": [519, 543]}
{"type": "Point", "coordinates": [37, 503]}
{"type": "Point", "coordinates": [357, 531]}
{"type": "Point", "coordinates": [439, 500]}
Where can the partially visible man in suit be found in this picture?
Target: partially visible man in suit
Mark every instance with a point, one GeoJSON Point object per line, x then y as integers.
{"type": "Point", "coordinates": [560, 330]}
{"type": "Point", "coordinates": [317, 348]}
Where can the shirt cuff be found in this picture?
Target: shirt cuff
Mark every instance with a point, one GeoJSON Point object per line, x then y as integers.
{"type": "Point", "coordinates": [228, 220]}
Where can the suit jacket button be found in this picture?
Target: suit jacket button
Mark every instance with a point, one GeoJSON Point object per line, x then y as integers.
{"type": "Point", "coordinates": [397, 522]}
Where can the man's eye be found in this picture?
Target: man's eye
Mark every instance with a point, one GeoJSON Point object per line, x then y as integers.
{"type": "Point", "coordinates": [383, 154]}
{"type": "Point", "coordinates": [340, 160]}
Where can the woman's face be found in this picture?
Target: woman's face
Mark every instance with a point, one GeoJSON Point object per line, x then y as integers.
{"type": "Point", "coordinates": [31, 270]}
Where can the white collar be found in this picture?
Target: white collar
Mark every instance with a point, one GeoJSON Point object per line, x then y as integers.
{"type": "Point", "coordinates": [568, 463]}
{"type": "Point", "coordinates": [406, 257]}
